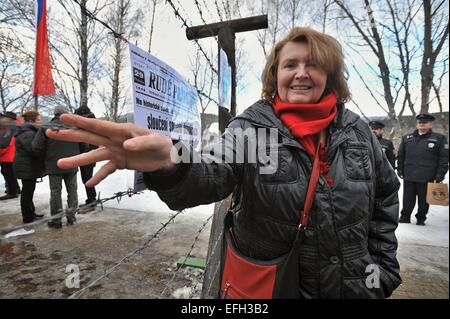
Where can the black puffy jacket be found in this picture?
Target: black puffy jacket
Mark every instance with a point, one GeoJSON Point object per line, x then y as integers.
{"type": "Point", "coordinates": [28, 164]}
{"type": "Point", "coordinates": [351, 231]}
{"type": "Point", "coordinates": [423, 158]}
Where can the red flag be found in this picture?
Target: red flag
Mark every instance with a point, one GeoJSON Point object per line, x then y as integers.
{"type": "Point", "coordinates": [43, 80]}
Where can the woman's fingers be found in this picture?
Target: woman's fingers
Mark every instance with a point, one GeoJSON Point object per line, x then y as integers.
{"type": "Point", "coordinates": [152, 142]}
{"type": "Point", "coordinates": [94, 156]}
{"type": "Point", "coordinates": [78, 136]}
{"type": "Point", "coordinates": [149, 153]}
{"type": "Point", "coordinates": [104, 128]}
{"type": "Point", "coordinates": [101, 174]}
{"type": "Point", "coordinates": [101, 127]}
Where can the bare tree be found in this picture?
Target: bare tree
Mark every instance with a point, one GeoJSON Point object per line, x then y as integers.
{"type": "Point", "coordinates": [16, 61]}
{"type": "Point", "coordinates": [204, 79]}
{"type": "Point", "coordinates": [401, 48]}
{"type": "Point", "coordinates": [125, 20]}
{"type": "Point", "coordinates": [152, 24]}
{"type": "Point", "coordinates": [437, 91]}
{"type": "Point", "coordinates": [268, 37]}
{"type": "Point", "coordinates": [77, 44]}
{"type": "Point", "coordinates": [373, 40]}
{"type": "Point", "coordinates": [435, 35]}
{"type": "Point", "coordinates": [402, 20]}
{"type": "Point", "coordinates": [15, 93]}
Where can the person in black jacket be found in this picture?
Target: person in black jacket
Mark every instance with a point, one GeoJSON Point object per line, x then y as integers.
{"type": "Point", "coordinates": [28, 164]}
{"type": "Point", "coordinates": [53, 150]}
{"type": "Point", "coordinates": [352, 222]}
{"type": "Point", "coordinates": [388, 147]}
{"type": "Point", "coordinates": [422, 158]}
{"type": "Point", "coordinates": [87, 170]}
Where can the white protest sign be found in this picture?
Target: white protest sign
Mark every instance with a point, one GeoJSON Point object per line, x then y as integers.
{"type": "Point", "coordinates": [163, 100]}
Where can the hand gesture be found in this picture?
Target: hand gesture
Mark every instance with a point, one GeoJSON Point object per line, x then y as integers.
{"type": "Point", "coordinates": [122, 145]}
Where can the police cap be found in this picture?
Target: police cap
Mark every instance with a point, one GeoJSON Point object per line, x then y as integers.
{"type": "Point", "coordinates": [425, 118]}
{"type": "Point", "coordinates": [376, 124]}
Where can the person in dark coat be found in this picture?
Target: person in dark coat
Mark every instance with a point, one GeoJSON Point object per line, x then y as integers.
{"type": "Point", "coordinates": [7, 150]}
{"type": "Point", "coordinates": [87, 170]}
{"type": "Point", "coordinates": [28, 164]}
{"type": "Point", "coordinates": [422, 158]}
{"type": "Point", "coordinates": [388, 147]}
{"type": "Point", "coordinates": [355, 208]}
{"type": "Point", "coordinates": [53, 150]}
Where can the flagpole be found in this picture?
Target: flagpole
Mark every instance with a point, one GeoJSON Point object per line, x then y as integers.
{"type": "Point", "coordinates": [35, 47]}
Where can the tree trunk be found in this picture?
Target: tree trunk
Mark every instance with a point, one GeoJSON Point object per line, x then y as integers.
{"type": "Point", "coordinates": [426, 71]}
{"type": "Point", "coordinates": [151, 27]}
{"type": "Point", "coordinates": [84, 56]}
{"type": "Point", "coordinates": [114, 108]}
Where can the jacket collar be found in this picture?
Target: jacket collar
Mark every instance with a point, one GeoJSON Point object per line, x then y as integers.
{"type": "Point", "coordinates": [261, 114]}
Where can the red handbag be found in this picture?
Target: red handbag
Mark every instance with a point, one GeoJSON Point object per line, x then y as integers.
{"type": "Point", "coordinates": [243, 277]}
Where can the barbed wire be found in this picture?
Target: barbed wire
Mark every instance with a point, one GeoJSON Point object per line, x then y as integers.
{"type": "Point", "coordinates": [185, 11]}
{"type": "Point", "coordinates": [207, 9]}
{"type": "Point", "coordinates": [90, 15]}
{"type": "Point", "coordinates": [201, 17]}
{"type": "Point", "coordinates": [93, 17]}
{"type": "Point", "coordinates": [119, 195]}
{"type": "Point", "coordinates": [213, 250]}
{"type": "Point", "coordinates": [51, 126]}
{"type": "Point", "coordinates": [207, 96]}
{"type": "Point", "coordinates": [218, 10]}
{"type": "Point", "coordinates": [178, 15]}
{"type": "Point", "coordinates": [127, 258]}
{"type": "Point", "coordinates": [70, 211]}
{"type": "Point", "coordinates": [200, 230]}
{"type": "Point", "coordinates": [199, 9]}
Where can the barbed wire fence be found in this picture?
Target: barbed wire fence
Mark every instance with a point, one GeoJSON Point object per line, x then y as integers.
{"type": "Point", "coordinates": [127, 258]}
{"type": "Point", "coordinates": [184, 23]}
{"type": "Point", "coordinates": [118, 196]}
{"type": "Point", "coordinates": [197, 237]}
{"type": "Point", "coordinates": [177, 14]}
{"type": "Point", "coordinates": [69, 212]}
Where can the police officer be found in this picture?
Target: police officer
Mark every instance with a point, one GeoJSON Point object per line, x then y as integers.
{"type": "Point", "coordinates": [422, 158]}
{"type": "Point", "coordinates": [388, 147]}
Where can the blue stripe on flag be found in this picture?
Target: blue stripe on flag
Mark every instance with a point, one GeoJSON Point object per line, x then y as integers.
{"type": "Point", "coordinates": [40, 11]}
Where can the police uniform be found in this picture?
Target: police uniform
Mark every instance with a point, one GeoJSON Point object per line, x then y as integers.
{"type": "Point", "coordinates": [387, 145]}
{"type": "Point", "coordinates": [421, 159]}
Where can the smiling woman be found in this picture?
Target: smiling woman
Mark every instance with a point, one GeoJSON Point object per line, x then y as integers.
{"type": "Point", "coordinates": [321, 224]}
{"type": "Point", "coordinates": [300, 80]}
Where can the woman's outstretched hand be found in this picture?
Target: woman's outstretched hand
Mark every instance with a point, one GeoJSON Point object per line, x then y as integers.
{"type": "Point", "coordinates": [122, 145]}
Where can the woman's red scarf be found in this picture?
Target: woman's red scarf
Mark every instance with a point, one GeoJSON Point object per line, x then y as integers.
{"type": "Point", "coordinates": [306, 121]}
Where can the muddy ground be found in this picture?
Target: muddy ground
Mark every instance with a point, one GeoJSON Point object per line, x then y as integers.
{"type": "Point", "coordinates": [34, 266]}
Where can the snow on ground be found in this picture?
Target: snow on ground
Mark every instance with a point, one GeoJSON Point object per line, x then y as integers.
{"type": "Point", "coordinates": [435, 233]}
{"type": "Point", "coordinates": [422, 252]}
{"type": "Point", "coordinates": [119, 181]}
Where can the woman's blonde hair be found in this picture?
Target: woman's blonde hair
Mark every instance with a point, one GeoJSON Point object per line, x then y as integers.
{"type": "Point", "coordinates": [30, 116]}
{"type": "Point", "coordinates": [324, 50]}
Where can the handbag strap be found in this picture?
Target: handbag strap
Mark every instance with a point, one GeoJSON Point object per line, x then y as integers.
{"type": "Point", "coordinates": [311, 189]}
